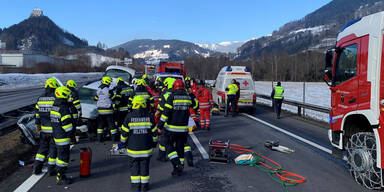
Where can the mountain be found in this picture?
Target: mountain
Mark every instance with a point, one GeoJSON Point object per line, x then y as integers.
{"type": "Point", "coordinates": [39, 33]}
{"type": "Point", "coordinates": [223, 47]}
{"type": "Point", "coordinates": [316, 31]}
{"type": "Point", "coordinates": [154, 50]}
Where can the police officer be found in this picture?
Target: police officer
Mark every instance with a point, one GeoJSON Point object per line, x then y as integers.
{"type": "Point", "coordinates": [232, 89]}
{"type": "Point", "coordinates": [140, 130]}
{"type": "Point", "coordinates": [75, 108]}
{"type": "Point", "coordinates": [61, 119]}
{"type": "Point", "coordinates": [277, 95]}
{"type": "Point", "coordinates": [104, 99]}
{"type": "Point", "coordinates": [44, 128]}
{"type": "Point", "coordinates": [123, 93]}
{"type": "Point", "coordinates": [175, 122]}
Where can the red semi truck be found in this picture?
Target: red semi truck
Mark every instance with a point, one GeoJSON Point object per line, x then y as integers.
{"type": "Point", "coordinates": [355, 74]}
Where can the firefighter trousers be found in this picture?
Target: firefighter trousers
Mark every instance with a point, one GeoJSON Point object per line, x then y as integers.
{"type": "Point", "coordinates": [62, 160]}
{"type": "Point", "coordinates": [120, 118]}
{"type": "Point", "coordinates": [47, 147]}
{"type": "Point", "coordinates": [205, 117]}
{"type": "Point", "coordinates": [231, 102]}
{"type": "Point", "coordinates": [106, 120]}
{"type": "Point", "coordinates": [162, 153]}
{"type": "Point", "coordinates": [174, 146]}
{"type": "Point", "coordinates": [139, 172]}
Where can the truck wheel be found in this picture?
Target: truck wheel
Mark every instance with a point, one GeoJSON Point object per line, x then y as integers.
{"type": "Point", "coordinates": [361, 154]}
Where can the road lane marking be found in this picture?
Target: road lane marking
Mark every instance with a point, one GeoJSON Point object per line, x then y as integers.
{"type": "Point", "coordinates": [32, 180]}
{"type": "Point", "coordinates": [290, 134]}
{"type": "Point", "coordinates": [199, 146]}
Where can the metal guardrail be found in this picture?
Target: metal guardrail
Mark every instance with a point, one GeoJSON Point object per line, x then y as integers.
{"type": "Point", "coordinates": [300, 105]}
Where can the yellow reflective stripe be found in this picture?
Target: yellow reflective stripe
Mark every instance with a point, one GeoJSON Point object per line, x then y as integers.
{"type": "Point", "coordinates": [154, 129]}
{"type": "Point", "coordinates": [135, 179]}
{"type": "Point", "coordinates": [163, 118]}
{"type": "Point", "coordinates": [124, 129]}
{"type": "Point", "coordinates": [140, 124]}
{"type": "Point", "coordinates": [56, 113]}
{"type": "Point", "coordinates": [178, 127]}
{"type": "Point", "coordinates": [161, 109]}
{"type": "Point", "coordinates": [245, 100]}
{"type": "Point", "coordinates": [139, 152]}
{"type": "Point", "coordinates": [144, 179]}
{"type": "Point", "coordinates": [37, 115]}
{"type": "Point", "coordinates": [155, 138]}
{"type": "Point", "coordinates": [45, 102]}
{"type": "Point", "coordinates": [123, 139]}
{"type": "Point", "coordinates": [162, 148]}
{"type": "Point", "coordinates": [61, 163]}
{"type": "Point", "coordinates": [46, 127]}
{"type": "Point", "coordinates": [105, 110]}
{"type": "Point", "coordinates": [172, 155]}
{"type": "Point", "coordinates": [168, 105]}
{"type": "Point", "coordinates": [182, 101]}
{"type": "Point", "coordinates": [76, 101]}
{"type": "Point", "coordinates": [65, 127]}
{"type": "Point", "coordinates": [63, 141]}
{"type": "Point", "coordinates": [40, 156]}
{"type": "Point", "coordinates": [65, 117]}
{"type": "Point", "coordinates": [37, 106]}
{"type": "Point", "coordinates": [196, 105]}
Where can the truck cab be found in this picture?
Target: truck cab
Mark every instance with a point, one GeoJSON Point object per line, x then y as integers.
{"type": "Point", "coordinates": [355, 74]}
{"type": "Point", "coordinates": [242, 75]}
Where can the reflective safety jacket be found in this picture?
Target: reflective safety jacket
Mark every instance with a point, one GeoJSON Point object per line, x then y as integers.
{"type": "Point", "coordinates": [123, 93]}
{"type": "Point", "coordinates": [144, 93]}
{"type": "Point", "coordinates": [74, 103]}
{"type": "Point", "coordinates": [43, 107]}
{"type": "Point", "coordinates": [278, 92]}
{"type": "Point", "coordinates": [176, 111]}
{"type": "Point", "coordinates": [61, 120]}
{"type": "Point", "coordinates": [163, 100]}
{"type": "Point", "coordinates": [104, 99]}
{"type": "Point", "coordinates": [204, 98]}
{"type": "Point", "coordinates": [139, 130]}
{"type": "Point", "coordinates": [232, 89]}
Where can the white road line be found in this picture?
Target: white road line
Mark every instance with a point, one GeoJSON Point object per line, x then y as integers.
{"type": "Point", "coordinates": [32, 180]}
{"type": "Point", "coordinates": [199, 146]}
{"type": "Point", "coordinates": [290, 134]}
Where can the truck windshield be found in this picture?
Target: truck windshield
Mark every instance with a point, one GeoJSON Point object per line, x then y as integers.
{"type": "Point", "coordinates": [114, 73]}
{"type": "Point", "coordinates": [245, 83]}
{"type": "Point", "coordinates": [346, 65]}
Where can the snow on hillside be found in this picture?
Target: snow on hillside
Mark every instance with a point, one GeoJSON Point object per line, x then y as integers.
{"type": "Point", "coordinates": [316, 93]}
{"type": "Point", "coordinates": [96, 59]}
{"type": "Point", "coordinates": [313, 30]}
{"type": "Point", "coordinates": [224, 47]}
{"type": "Point", "coordinates": [152, 54]}
{"type": "Point", "coordinates": [19, 80]}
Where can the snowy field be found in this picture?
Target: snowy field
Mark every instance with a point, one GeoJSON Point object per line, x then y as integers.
{"type": "Point", "coordinates": [316, 93]}
{"type": "Point", "coordinates": [20, 80]}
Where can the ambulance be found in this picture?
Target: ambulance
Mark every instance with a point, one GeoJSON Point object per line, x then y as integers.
{"type": "Point", "coordinates": [242, 75]}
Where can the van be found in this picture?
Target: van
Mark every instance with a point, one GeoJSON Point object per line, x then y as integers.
{"type": "Point", "coordinates": [242, 75]}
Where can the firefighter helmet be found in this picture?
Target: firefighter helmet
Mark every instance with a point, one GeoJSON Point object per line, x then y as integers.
{"type": "Point", "coordinates": [52, 83]}
{"type": "Point", "coordinates": [106, 80]}
{"type": "Point", "coordinates": [140, 82]}
{"type": "Point", "coordinates": [71, 83]}
{"type": "Point", "coordinates": [62, 92]}
{"type": "Point", "coordinates": [119, 79]}
{"type": "Point", "coordinates": [178, 84]}
{"type": "Point", "coordinates": [138, 101]}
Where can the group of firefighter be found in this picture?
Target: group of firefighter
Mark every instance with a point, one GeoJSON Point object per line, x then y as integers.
{"type": "Point", "coordinates": [137, 116]}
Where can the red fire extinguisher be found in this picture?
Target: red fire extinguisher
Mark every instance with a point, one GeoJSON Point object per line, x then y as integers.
{"type": "Point", "coordinates": [85, 162]}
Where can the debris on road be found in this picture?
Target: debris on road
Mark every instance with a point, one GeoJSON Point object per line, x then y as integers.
{"type": "Point", "coordinates": [275, 146]}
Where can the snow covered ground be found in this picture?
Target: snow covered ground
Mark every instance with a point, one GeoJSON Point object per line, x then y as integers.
{"type": "Point", "coordinates": [19, 80]}
{"type": "Point", "coordinates": [316, 93]}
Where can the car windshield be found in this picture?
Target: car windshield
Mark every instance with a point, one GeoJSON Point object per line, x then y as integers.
{"type": "Point", "coordinates": [86, 95]}
{"type": "Point", "coordinates": [115, 73]}
{"type": "Point", "coordinates": [245, 83]}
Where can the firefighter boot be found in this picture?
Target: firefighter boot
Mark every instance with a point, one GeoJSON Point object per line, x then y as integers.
{"type": "Point", "coordinates": [189, 157]}
{"type": "Point", "coordinates": [115, 138]}
{"type": "Point", "coordinates": [37, 167]}
{"type": "Point", "coordinates": [100, 137]}
{"type": "Point", "coordinates": [61, 178]}
{"type": "Point", "coordinates": [145, 187]}
{"type": "Point", "coordinates": [178, 170]}
{"type": "Point", "coordinates": [52, 170]}
{"type": "Point", "coordinates": [136, 187]}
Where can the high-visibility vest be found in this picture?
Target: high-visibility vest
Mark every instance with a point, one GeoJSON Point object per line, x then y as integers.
{"type": "Point", "coordinates": [232, 89]}
{"type": "Point", "coordinates": [279, 90]}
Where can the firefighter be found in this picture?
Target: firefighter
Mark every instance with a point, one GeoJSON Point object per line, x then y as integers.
{"type": "Point", "coordinates": [232, 89]}
{"type": "Point", "coordinates": [277, 96]}
{"type": "Point", "coordinates": [75, 106]}
{"type": "Point", "coordinates": [44, 128]}
{"type": "Point", "coordinates": [145, 78]}
{"type": "Point", "coordinates": [142, 91]}
{"type": "Point", "coordinates": [61, 119]}
{"type": "Point", "coordinates": [104, 99]}
{"type": "Point", "coordinates": [174, 121]}
{"type": "Point", "coordinates": [123, 93]}
{"type": "Point", "coordinates": [205, 103]}
{"type": "Point", "coordinates": [168, 84]}
{"type": "Point", "coordinates": [139, 130]}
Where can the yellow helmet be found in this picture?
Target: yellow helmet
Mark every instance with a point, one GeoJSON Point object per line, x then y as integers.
{"type": "Point", "coordinates": [140, 82]}
{"type": "Point", "coordinates": [62, 92]}
{"type": "Point", "coordinates": [169, 82]}
{"type": "Point", "coordinates": [138, 102]}
{"type": "Point", "coordinates": [119, 79]}
{"type": "Point", "coordinates": [52, 83]}
{"type": "Point", "coordinates": [106, 80]}
{"type": "Point", "coordinates": [144, 76]}
{"type": "Point", "coordinates": [187, 79]}
{"type": "Point", "coordinates": [71, 83]}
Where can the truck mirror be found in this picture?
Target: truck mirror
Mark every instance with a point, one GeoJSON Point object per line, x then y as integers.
{"type": "Point", "coordinates": [329, 58]}
{"type": "Point", "coordinates": [327, 77]}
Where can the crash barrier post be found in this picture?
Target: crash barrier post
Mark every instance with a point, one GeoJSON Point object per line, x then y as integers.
{"type": "Point", "coordinates": [299, 105]}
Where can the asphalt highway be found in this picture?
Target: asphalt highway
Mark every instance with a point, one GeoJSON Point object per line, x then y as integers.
{"type": "Point", "coordinates": [322, 171]}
